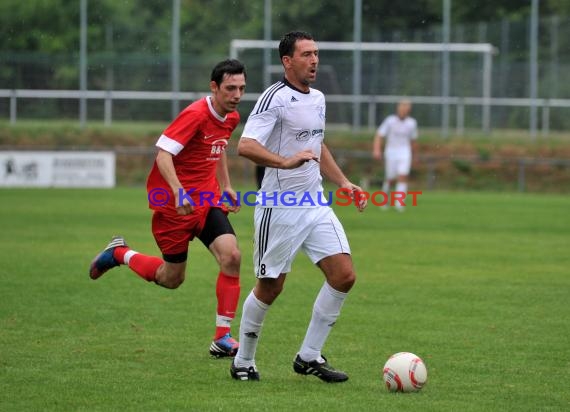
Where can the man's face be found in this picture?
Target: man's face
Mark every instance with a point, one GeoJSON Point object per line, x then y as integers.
{"type": "Point", "coordinates": [303, 64]}
{"type": "Point", "coordinates": [228, 94]}
{"type": "Point", "coordinates": [404, 110]}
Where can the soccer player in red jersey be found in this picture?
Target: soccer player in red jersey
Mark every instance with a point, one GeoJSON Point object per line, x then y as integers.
{"type": "Point", "coordinates": [184, 191]}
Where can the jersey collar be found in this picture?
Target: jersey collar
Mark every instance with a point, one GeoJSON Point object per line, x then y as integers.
{"type": "Point", "coordinates": [213, 111]}
{"type": "Point", "coordinates": [288, 84]}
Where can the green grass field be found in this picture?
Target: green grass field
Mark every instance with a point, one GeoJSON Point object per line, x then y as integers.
{"type": "Point", "coordinates": [476, 284]}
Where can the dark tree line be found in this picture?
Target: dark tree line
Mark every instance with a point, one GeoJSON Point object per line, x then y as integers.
{"type": "Point", "coordinates": [39, 39]}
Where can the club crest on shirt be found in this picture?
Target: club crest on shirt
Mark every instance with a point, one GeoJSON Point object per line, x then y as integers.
{"type": "Point", "coordinates": [303, 135]}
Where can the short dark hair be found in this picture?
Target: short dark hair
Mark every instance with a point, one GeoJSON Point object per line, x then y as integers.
{"type": "Point", "coordinates": [287, 44]}
{"type": "Point", "coordinates": [229, 66]}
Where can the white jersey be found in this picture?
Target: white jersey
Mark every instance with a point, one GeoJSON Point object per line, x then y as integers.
{"type": "Point", "coordinates": [398, 133]}
{"type": "Point", "coordinates": [286, 121]}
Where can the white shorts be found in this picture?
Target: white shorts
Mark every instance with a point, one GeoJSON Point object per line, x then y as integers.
{"type": "Point", "coordinates": [397, 164]}
{"type": "Point", "coordinates": [281, 232]}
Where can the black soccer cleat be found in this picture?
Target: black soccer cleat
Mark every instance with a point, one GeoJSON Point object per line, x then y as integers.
{"type": "Point", "coordinates": [323, 371]}
{"type": "Point", "coordinates": [244, 374]}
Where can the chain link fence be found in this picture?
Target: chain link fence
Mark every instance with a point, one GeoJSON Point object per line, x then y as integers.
{"type": "Point", "coordinates": [119, 63]}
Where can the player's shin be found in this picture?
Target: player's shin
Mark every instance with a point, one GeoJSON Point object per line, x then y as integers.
{"type": "Point", "coordinates": [252, 317]}
{"type": "Point", "coordinates": [325, 313]}
{"type": "Point", "coordinates": [143, 265]}
{"type": "Point", "coordinates": [386, 186]}
{"type": "Point", "coordinates": [386, 190]}
{"type": "Point", "coordinates": [401, 188]}
{"type": "Point", "coordinates": [227, 293]}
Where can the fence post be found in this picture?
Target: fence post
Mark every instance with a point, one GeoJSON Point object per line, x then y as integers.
{"type": "Point", "coordinates": [83, 63]}
{"type": "Point", "coordinates": [108, 108]}
{"type": "Point", "coordinates": [357, 63]}
{"type": "Point", "coordinates": [267, 37]}
{"type": "Point", "coordinates": [460, 114]}
{"type": "Point", "coordinates": [371, 114]}
{"type": "Point", "coordinates": [110, 76]}
{"type": "Point", "coordinates": [175, 58]}
{"type": "Point", "coordinates": [13, 107]}
{"type": "Point", "coordinates": [445, 69]}
{"type": "Point", "coordinates": [521, 179]}
{"type": "Point", "coordinates": [546, 118]}
{"type": "Point", "coordinates": [487, 78]}
{"type": "Point", "coordinates": [533, 67]}
{"type": "Point", "coordinates": [431, 173]}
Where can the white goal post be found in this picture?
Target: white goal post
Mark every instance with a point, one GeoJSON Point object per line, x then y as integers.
{"type": "Point", "coordinates": [240, 44]}
{"type": "Point", "coordinates": [486, 49]}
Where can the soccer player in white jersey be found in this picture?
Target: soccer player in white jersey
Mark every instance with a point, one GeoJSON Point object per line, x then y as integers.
{"type": "Point", "coordinates": [284, 133]}
{"type": "Point", "coordinates": [400, 132]}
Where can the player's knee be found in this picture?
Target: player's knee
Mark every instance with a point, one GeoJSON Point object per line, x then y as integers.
{"type": "Point", "coordinates": [172, 282]}
{"type": "Point", "coordinates": [350, 278]}
{"type": "Point", "coordinates": [269, 296]}
{"type": "Point", "coordinates": [231, 260]}
{"type": "Point", "coordinates": [268, 290]}
{"type": "Point", "coordinates": [346, 281]}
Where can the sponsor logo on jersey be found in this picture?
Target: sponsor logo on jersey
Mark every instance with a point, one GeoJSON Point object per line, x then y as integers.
{"type": "Point", "coordinates": [293, 99]}
{"type": "Point", "coordinates": [218, 147]}
{"type": "Point", "coordinates": [305, 135]}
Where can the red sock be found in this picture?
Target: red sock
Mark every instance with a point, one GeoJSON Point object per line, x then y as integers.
{"type": "Point", "coordinates": [145, 266]}
{"type": "Point", "coordinates": [119, 254]}
{"type": "Point", "coordinates": [227, 292]}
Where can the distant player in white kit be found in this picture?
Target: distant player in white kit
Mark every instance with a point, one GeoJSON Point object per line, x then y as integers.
{"type": "Point", "coordinates": [400, 131]}
{"type": "Point", "coordinates": [285, 132]}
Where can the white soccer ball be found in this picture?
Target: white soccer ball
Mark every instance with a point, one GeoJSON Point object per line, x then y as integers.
{"type": "Point", "coordinates": [405, 372]}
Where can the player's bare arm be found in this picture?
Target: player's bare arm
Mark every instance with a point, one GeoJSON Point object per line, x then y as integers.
{"type": "Point", "coordinates": [166, 168]}
{"type": "Point", "coordinates": [414, 146]}
{"type": "Point", "coordinates": [223, 176]}
{"type": "Point", "coordinates": [254, 151]}
{"type": "Point", "coordinates": [377, 147]}
{"type": "Point", "coordinates": [331, 171]}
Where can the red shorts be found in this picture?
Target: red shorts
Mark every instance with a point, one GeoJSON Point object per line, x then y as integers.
{"type": "Point", "coordinates": [172, 231]}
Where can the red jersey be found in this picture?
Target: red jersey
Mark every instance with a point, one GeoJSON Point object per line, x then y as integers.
{"type": "Point", "coordinates": [196, 139]}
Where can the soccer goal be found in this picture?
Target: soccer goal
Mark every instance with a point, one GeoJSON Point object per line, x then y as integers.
{"type": "Point", "coordinates": [483, 68]}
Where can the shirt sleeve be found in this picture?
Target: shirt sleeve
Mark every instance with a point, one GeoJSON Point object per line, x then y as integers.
{"type": "Point", "coordinates": [180, 132]}
{"type": "Point", "coordinates": [384, 127]}
{"type": "Point", "coordinates": [259, 126]}
{"type": "Point", "coordinates": [414, 135]}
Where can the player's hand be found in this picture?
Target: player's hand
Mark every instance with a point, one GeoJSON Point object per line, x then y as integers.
{"type": "Point", "coordinates": [184, 208]}
{"type": "Point", "coordinates": [233, 207]}
{"type": "Point", "coordinates": [377, 155]}
{"type": "Point", "coordinates": [299, 159]}
{"type": "Point", "coordinates": [359, 196]}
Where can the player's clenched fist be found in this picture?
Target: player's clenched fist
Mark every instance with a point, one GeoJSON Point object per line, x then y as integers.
{"type": "Point", "coordinates": [182, 208]}
{"type": "Point", "coordinates": [234, 207]}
